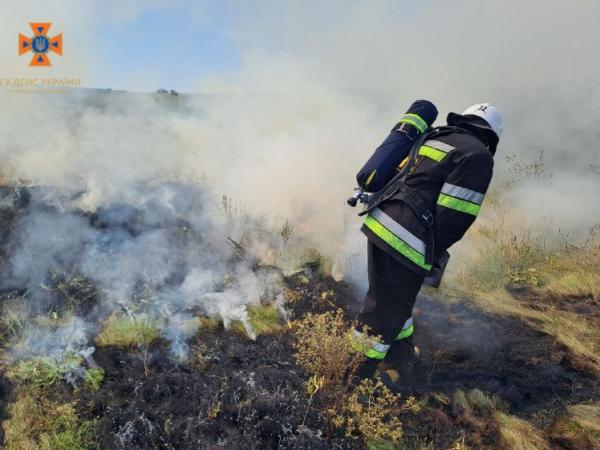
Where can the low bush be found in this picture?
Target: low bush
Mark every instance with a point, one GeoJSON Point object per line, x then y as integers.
{"type": "Point", "coordinates": [372, 411]}
{"type": "Point", "coordinates": [324, 349]}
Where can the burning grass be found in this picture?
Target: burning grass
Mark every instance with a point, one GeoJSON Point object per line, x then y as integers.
{"type": "Point", "coordinates": [506, 393]}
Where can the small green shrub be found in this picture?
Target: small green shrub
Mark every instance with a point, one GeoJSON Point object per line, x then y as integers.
{"type": "Point", "coordinates": [94, 378]}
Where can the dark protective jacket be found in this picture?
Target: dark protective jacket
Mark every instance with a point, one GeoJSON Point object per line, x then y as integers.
{"type": "Point", "coordinates": [418, 217]}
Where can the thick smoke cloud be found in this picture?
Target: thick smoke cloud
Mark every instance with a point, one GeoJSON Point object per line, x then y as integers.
{"type": "Point", "coordinates": [317, 89]}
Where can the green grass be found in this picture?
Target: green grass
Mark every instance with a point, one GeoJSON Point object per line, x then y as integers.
{"type": "Point", "coordinates": [264, 319]}
{"type": "Point", "coordinates": [121, 331]}
{"type": "Point", "coordinates": [94, 378]}
{"type": "Point", "coordinates": [42, 371]}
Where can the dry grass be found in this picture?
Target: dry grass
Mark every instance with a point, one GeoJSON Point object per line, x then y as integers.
{"type": "Point", "coordinates": [30, 426]}
{"type": "Point", "coordinates": [327, 351]}
{"type": "Point", "coordinates": [476, 401]}
{"type": "Point", "coordinates": [579, 427]}
{"type": "Point", "coordinates": [493, 256]}
{"type": "Point", "coordinates": [517, 434]}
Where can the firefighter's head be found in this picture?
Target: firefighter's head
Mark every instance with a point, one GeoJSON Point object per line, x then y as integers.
{"type": "Point", "coordinates": [483, 120]}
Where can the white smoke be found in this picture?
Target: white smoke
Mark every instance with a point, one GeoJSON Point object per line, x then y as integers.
{"type": "Point", "coordinates": [318, 88]}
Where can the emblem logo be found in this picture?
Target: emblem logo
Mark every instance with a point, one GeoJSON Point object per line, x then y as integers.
{"type": "Point", "coordinates": [40, 44]}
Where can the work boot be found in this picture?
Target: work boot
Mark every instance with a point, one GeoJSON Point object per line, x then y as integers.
{"type": "Point", "coordinates": [401, 367]}
{"type": "Point", "coordinates": [366, 370]}
{"type": "Point", "coordinates": [392, 380]}
{"type": "Point", "coordinates": [400, 354]}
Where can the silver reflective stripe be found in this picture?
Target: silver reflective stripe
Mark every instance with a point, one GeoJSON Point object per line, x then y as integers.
{"type": "Point", "coordinates": [382, 348]}
{"type": "Point", "coordinates": [399, 230]}
{"type": "Point", "coordinates": [462, 193]}
{"type": "Point", "coordinates": [408, 323]}
{"type": "Point", "coordinates": [441, 146]}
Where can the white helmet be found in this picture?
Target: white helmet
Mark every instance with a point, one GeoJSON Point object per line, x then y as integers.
{"type": "Point", "coordinates": [490, 114]}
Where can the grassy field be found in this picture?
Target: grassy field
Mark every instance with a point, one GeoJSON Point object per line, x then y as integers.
{"type": "Point", "coordinates": [510, 350]}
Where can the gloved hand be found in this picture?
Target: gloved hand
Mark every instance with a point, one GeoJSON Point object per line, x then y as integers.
{"type": "Point", "coordinates": [437, 271]}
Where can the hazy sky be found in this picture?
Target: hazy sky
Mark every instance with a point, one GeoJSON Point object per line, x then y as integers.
{"type": "Point", "coordinates": [143, 45]}
{"type": "Point", "coordinates": [318, 86]}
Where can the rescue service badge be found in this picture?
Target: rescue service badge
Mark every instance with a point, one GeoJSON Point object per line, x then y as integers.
{"type": "Point", "coordinates": [40, 44]}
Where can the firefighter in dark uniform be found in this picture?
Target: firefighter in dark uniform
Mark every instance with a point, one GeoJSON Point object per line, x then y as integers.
{"type": "Point", "coordinates": [415, 219]}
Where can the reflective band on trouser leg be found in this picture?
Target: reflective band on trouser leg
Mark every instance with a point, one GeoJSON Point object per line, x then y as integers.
{"type": "Point", "coordinates": [397, 237]}
{"type": "Point", "coordinates": [415, 120]}
{"type": "Point", "coordinates": [372, 350]}
{"type": "Point", "coordinates": [407, 329]}
{"type": "Point", "coordinates": [458, 204]}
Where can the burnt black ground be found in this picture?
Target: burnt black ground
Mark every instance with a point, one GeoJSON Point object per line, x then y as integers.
{"type": "Point", "coordinates": [249, 394]}
{"type": "Point", "coordinates": [465, 348]}
{"type": "Point", "coordinates": [247, 397]}
{"type": "Point", "coordinates": [234, 393]}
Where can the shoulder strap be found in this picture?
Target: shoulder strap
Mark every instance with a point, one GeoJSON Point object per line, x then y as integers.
{"type": "Point", "coordinates": [386, 192]}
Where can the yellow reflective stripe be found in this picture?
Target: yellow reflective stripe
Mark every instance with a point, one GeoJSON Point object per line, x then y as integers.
{"type": "Point", "coordinates": [407, 329]}
{"type": "Point", "coordinates": [458, 204]}
{"type": "Point", "coordinates": [433, 153]}
{"type": "Point", "coordinates": [376, 351]}
{"type": "Point", "coordinates": [405, 333]}
{"type": "Point", "coordinates": [416, 121]}
{"type": "Point", "coordinates": [438, 145]}
{"type": "Point", "coordinates": [371, 176]}
{"type": "Point", "coordinates": [374, 354]}
{"type": "Point", "coordinates": [396, 243]}
{"type": "Point", "coordinates": [399, 231]}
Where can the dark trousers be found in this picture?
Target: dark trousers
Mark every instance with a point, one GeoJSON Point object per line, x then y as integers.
{"type": "Point", "coordinates": [389, 302]}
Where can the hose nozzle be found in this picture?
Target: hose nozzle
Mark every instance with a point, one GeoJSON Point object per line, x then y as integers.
{"type": "Point", "coordinates": [359, 196]}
